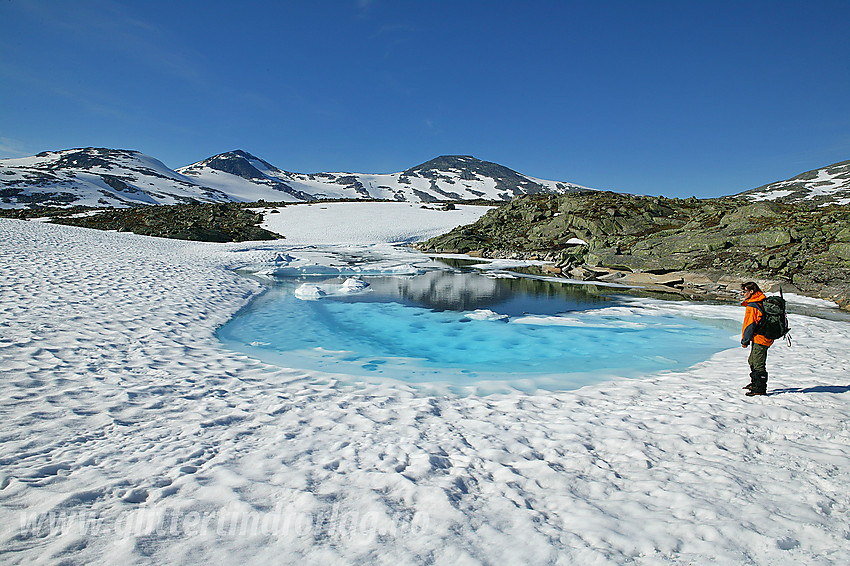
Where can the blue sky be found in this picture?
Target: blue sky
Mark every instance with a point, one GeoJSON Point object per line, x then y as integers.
{"type": "Point", "coordinates": [676, 98]}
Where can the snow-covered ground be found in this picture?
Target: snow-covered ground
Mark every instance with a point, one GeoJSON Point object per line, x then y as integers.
{"type": "Point", "coordinates": [352, 223]}
{"type": "Point", "coordinates": [131, 436]}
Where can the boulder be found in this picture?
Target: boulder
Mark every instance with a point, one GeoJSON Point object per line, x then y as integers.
{"type": "Point", "coordinates": [840, 250]}
{"type": "Point", "coordinates": [614, 276]}
{"type": "Point", "coordinates": [668, 280]}
{"type": "Point", "coordinates": [765, 239]}
{"type": "Point", "coordinates": [743, 215]}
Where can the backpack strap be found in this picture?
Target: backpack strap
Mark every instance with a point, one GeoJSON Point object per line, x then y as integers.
{"type": "Point", "coordinates": [759, 306]}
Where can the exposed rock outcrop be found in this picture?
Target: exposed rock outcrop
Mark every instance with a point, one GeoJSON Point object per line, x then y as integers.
{"type": "Point", "coordinates": [229, 222]}
{"type": "Point", "coordinates": [692, 246]}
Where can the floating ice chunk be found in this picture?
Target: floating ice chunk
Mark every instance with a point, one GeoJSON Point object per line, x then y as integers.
{"type": "Point", "coordinates": [485, 314]}
{"type": "Point", "coordinates": [406, 269]}
{"type": "Point", "coordinates": [308, 292]}
{"type": "Point", "coordinates": [287, 270]}
{"type": "Point", "coordinates": [315, 269]}
{"type": "Point", "coordinates": [353, 285]}
{"type": "Point", "coordinates": [579, 321]}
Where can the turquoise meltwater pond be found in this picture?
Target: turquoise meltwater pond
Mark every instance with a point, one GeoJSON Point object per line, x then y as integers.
{"type": "Point", "coordinates": [468, 329]}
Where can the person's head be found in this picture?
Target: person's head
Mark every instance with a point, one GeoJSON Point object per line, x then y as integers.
{"type": "Point", "coordinates": [749, 289]}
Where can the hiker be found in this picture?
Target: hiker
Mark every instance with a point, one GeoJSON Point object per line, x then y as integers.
{"type": "Point", "coordinates": [758, 354]}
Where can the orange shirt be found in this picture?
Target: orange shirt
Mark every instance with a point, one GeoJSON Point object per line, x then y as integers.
{"type": "Point", "coordinates": [752, 316]}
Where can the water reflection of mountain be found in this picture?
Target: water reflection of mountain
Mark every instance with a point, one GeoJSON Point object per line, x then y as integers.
{"type": "Point", "coordinates": [468, 291]}
{"type": "Point", "coordinates": [442, 290]}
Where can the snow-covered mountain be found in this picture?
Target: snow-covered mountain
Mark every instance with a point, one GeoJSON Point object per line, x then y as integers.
{"type": "Point", "coordinates": [119, 178]}
{"type": "Point", "coordinates": [96, 177]}
{"type": "Point", "coordinates": [827, 185]}
{"type": "Point", "coordinates": [450, 177]}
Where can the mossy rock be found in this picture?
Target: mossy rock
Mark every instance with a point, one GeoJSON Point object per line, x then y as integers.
{"type": "Point", "coordinates": [765, 239]}
{"type": "Point", "coordinates": [225, 222]}
{"type": "Point", "coordinates": [840, 250]}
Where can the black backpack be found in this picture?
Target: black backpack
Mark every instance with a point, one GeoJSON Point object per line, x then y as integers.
{"type": "Point", "coordinates": [774, 323]}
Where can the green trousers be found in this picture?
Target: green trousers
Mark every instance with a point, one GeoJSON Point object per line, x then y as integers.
{"type": "Point", "coordinates": [758, 359]}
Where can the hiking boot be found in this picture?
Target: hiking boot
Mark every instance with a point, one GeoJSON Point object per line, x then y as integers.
{"type": "Point", "coordinates": [759, 387]}
{"type": "Point", "coordinates": [754, 375]}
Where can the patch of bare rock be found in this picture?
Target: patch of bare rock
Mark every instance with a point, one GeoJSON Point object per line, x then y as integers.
{"type": "Point", "coordinates": [693, 247]}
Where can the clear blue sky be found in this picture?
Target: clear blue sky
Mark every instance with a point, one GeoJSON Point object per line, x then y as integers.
{"type": "Point", "coordinates": [676, 98]}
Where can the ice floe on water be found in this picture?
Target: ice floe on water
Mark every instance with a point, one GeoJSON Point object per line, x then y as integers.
{"type": "Point", "coordinates": [318, 262]}
{"type": "Point", "coordinates": [311, 291]}
{"type": "Point", "coordinates": [485, 314]}
{"type": "Point", "coordinates": [132, 435]}
{"type": "Point", "coordinates": [351, 286]}
{"type": "Point", "coordinates": [584, 321]}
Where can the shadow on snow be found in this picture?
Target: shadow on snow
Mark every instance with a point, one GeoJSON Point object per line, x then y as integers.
{"type": "Point", "coordinates": [815, 389]}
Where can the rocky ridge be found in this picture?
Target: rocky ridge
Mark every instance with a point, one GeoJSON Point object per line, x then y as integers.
{"type": "Point", "coordinates": [444, 178]}
{"type": "Point", "coordinates": [824, 186]}
{"type": "Point", "coordinates": [206, 222]}
{"type": "Point", "coordinates": [102, 177]}
{"type": "Point", "coordinates": [96, 177]}
{"type": "Point", "coordinates": [694, 247]}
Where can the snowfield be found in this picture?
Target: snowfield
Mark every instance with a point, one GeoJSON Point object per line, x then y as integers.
{"type": "Point", "coordinates": [132, 436]}
{"type": "Point", "coordinates": [353, 223]}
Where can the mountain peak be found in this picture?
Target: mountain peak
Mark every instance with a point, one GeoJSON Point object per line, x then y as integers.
{"type": "Point", "coordinates": [239, 153]}
{"type": "Point", "coordinates": [111, 177]}
{"type": "Point", "coordinates": [86, 157]}
{"type": "Point", "coordinates": [445, 162]}
{"type": "Point", "coordinates": [508, 183]}
{"type": "Point", "coordinates": [90, 151]}
{"type": "Point", "coordinates": [96, 176]}
{"type": "Point", "coordinates": [236, 162]}
{"type": "Point", "coordinates": [827, 185]}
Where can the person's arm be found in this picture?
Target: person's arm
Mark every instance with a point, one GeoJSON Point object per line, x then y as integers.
{"type": "Point", "coordinates": [751, 319]}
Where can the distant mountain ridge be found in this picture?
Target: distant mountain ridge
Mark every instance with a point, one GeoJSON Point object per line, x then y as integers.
{"type": "Point", "coordinates": [103, 177]}
{"type": "Point", "coordinates": [827, 185]}
{"type": "Point", "coordinates": [96, 177]}
{"type": "Point", "coordinates": [448, 177]}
